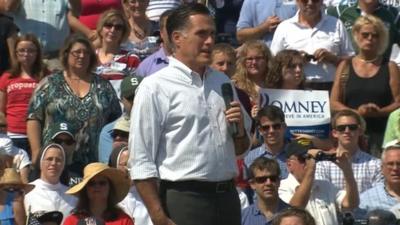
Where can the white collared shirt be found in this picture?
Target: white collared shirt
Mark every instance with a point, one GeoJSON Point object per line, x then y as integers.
{"type": "Point", "coordinates": [329, 34]}
{"type": "Point", "coordinates": [178, 128]}
{"type": "Point", "coordinates": [323, 201]}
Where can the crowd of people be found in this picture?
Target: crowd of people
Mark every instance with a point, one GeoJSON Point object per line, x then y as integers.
{"type": "Point", "coordinates": [123, 112]}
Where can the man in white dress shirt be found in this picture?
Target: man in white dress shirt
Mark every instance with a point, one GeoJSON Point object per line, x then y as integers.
{"type": "Point", "coordinates": [179, 131]}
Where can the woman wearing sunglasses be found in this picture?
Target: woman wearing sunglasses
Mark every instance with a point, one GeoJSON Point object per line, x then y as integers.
{"type": "Point", "coordinates": [114, 63]}
{"type": "Point", "coordinates": [367, 83]}
{"type": "Point", "coordinates": [98, 194]}
{"type": "Point", "coordinates": [49, 192]}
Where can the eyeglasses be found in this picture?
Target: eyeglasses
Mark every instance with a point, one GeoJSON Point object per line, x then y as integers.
{"type": "Point", "coordinates": [369, 34]}
{"type": "Point", "coordinates": [119, 133]}
{"type": "Point", "coordinates": [111, 25]}
{"type": "Point", "coordinates": [93, 183]}
{"type": "Point", "coordinates": [255, 58]}
{"type": "Point", "coordinates": [263, 179]}
{"type": "Point", "coordinates": [79, 52]}
{"type": "Point", "coordinates": [28, 51]}
{"type": "Point", "coordinates": [343, 127]}
{"type": "Point", "coordinates": [275, 126]}
{"type": "Point", "coordinates": [60, 141]}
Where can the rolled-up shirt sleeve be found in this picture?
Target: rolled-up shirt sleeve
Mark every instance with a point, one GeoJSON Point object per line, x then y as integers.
{"type": "Point", "coordinates": [146, 129]}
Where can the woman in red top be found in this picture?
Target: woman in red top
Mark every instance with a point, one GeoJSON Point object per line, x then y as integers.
{"type": "Point", "coordinates": [98, 194]}
{"type": "Point", "coordinates": [17, 86]}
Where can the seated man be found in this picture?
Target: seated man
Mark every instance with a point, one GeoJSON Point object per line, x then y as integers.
{"type": "Point", "coordinates": [319, 197]}
{"type": "Point", "coordinates": [387, 194]}
{"type": "Point", "coordinates": [347, 127]}
{"type": "Point", "coordinates": [264, 173]}
{"type": "Point", "coordinates": [270, 122]}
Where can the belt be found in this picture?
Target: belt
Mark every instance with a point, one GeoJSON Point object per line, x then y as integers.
{"type": "Point", "coordinates": [200, 186]}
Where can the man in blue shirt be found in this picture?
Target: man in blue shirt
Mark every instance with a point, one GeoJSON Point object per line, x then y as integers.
{"type": "Point", "coordinates": [265, 181]}
{"type": "Point", "coordinates": [387, 194]}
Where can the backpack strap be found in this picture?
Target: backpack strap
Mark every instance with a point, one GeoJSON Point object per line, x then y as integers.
{"type": "Point", "coordinates": [344, 76]}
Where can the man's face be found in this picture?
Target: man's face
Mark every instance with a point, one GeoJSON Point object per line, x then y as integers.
{"type": "Point", "coordinates": [273, 131]}
{"type": "Point", "coordinates": [347, 131]}
{"type": "Point", "coordinates": [309, 8]}
{"type": "Point", "coordinates": [391, 167]}
{"type": "Point", "coordinates": [265, 184]}
{"type": "Point", "coordinates": [193, 44]}
{"type": "Point", "coordinates": [296, 166]}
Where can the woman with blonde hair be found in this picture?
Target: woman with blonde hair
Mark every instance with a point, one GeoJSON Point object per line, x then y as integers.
{"type": "Point", "coordinates": [114, 62]}
{"type": "Point", "coordinates": [367, 83]}
{"type": "Point", "coordinates": [253, 64]}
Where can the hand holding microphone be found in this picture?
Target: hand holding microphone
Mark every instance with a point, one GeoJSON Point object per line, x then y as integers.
{"type": "Point", "coordinates": [233, 111]}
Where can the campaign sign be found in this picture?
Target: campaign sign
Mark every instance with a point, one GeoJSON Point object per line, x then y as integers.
{"type": "Point", "coordinates": [306, 111]}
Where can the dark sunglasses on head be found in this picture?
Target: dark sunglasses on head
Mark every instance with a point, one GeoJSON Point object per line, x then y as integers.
{"type": "Point", "coordinates": [3, 125]}
{"type": "Point", "coordinates": [111, 25]}
{"type": "Point", "coordinates": [97, 183]}
{"type": "Point", "coordinates": [351, 127]}
{"type": "Point", "coordinates": [313, 1]}
{"type": "Point", "coordinates": [60, 141]}
{"type": "Point", "coordinates": [263, 179]}
{"type": "Point", "coordinates": [275, 126]}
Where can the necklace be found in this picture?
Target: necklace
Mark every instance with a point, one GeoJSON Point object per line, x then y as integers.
{"type": "Point", "coordinates": [368, 60]}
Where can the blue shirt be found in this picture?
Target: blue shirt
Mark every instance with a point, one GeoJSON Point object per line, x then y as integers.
{"type": "Point", "coordinates": [264, 152]}
{"type": "Point", "coordinates": [105, 142]}
{"type": "Point", "coordinates": [377, 198]}
{"type": "Point", "coordinates": [253, 216]}
{"type": "Point", "coordinates": [153, 63]}
{"type": "Point", "coordinates": [255, 12]}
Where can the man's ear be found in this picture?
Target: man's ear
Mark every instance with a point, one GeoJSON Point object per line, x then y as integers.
{"type": "Point", "coordinates": [334, 133]}
{"type": "Point", "coordinates": [252, 184]}
{"type": "Point", "coordinates": [176, 37]}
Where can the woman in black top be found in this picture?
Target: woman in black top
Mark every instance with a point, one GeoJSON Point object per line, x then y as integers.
{"type": "Point", "coordinates": [367, 83]}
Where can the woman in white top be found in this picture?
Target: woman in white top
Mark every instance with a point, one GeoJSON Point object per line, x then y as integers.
{"type": "Point", "coordinates": [49, 192]}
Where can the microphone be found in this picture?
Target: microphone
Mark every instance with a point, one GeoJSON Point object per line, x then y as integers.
{"type": "Point", "coordinates": [227, 94]}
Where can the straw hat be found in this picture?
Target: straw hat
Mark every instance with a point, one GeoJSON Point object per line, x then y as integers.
{"type": "Point", "coordinates": [119, 180]}
{"type": "Point", "coordinates": [12, 178]}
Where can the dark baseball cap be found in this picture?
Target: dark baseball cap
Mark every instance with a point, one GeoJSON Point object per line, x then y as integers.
{"type": "Point", "coordinates": [59, 128]}
{"type": "Point", "coordinates": [129, 85]}
{"type": "Point", "coordinates": [294, 148]}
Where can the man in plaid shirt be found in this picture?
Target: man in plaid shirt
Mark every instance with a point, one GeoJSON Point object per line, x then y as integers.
{"type": "Point", "coordinates": [347, 127]}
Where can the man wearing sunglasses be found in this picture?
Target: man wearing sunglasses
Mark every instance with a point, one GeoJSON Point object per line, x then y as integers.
{"type": "Point", "coordinates": [271, 125]}
{"type": "Point", "coordinates": [322, 36]}
{"type": "Point", "coordinates": [264, 180]}
{"type": "Point", "coordinates": [347, 128]}
{"type": "Point", "coordinates": [319, 197]}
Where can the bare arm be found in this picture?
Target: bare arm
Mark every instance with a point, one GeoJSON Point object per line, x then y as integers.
{"type": "Point", "coordinates": [19, 211]}
{"type": "Point", "coordinates": [9, 5]}
{"type": "Point", "coordinates": [74, 22]}
{"type": "Point", "coordinates": [3, 102]}
{"type": "Point", "coordinates": [34, 131]}
{"type": "Point", "coordinates": [303, 191]}
{"type": "Point", "coordinates": [394, 83]}
{"type": "Point", "coordinates": [336, 94]}
{"type": "Point", "coordinates": [148, 190]}
{"type": "Point", "coordinates": [252, 33]}
{"type": "Point", "coordinates": [10, 44]}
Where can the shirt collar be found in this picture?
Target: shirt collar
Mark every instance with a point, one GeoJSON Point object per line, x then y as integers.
{"type": "Point", "coordinates": [161, 57]}
{"type": "Point", "coordinates": [295, 19]}
{"type": "Point", "coordinates": [191, 76]}
{"type": "Point", "coordinates": [282, 153]}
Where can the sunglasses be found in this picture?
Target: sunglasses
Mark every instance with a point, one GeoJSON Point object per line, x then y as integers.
{"type": "Point", "coordinates": [60, 141]}
{"type": "Point", "coordinates": [116, 26]}
{"type": "Point", "coordinates": [263, 179]}
{"type": "Point", "coordinates": [369, 34]}
{"type": "Point", "coordinates": [275, 126]}
{"type": "Point", "coordinates": [97, 183]}
{"type": "Point", "coordinates": [351, 127]}
{"type": "Point", "coordinates": [121, 134]}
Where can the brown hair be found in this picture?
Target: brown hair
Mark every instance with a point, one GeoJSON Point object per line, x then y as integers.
{"type": "Point", "coordinates": [38, 68]}
{"type": "Point", "coordinates": [263, 163]}
{"type": "Point", "coordinates": [302, 214]}
{"type": "Point", "coordinates": [283, 59]}
{"type": "Point", "coordinates": [110, 15]}
{"type": "Point", "coordinates": [241, 76]}
{"type": "Point", "coordinates": [349, 113]}
{"type": "Point", "coordinates": [69, 42]}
